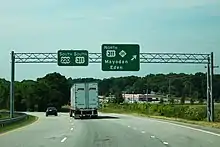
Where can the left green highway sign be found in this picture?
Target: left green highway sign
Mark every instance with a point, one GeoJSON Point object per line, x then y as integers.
{"type": "Point", "coordinates": [73, 58]}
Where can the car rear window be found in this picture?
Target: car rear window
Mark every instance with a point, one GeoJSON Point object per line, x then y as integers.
{"type": "Point", "coordinates": [51, 108]}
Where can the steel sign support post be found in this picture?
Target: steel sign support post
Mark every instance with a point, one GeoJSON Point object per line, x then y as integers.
{"type": "Point", "coordinates": [211, 88]}
{"type": "Point", "coordinates": [12, 84]}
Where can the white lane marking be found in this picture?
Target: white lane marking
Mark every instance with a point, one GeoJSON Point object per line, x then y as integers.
{"type": "Point", "coordinates": [135, 128]}
{"type": "Point", "coordinates": [166, 143]}
{"type": "Point", "coordinates": [64, 139]}
{"type": "Point", "coordinates": [200, 130]}
{"type": "Point", "coordinates": [142, 131]}
{"type": "Point", "coordinates": [129, 126]}
{"type": "Point", "coordinates": [71, 129]}
{"type": "Point", "coordinates": [152, 136]}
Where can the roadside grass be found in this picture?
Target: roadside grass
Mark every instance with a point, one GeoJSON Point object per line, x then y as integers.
{"type": "Point", "coordinates": [6, 115]}
{"type": "Point", "coordinates": [29, 120]}
{"type": "Point", "coordinates": [129, 112]}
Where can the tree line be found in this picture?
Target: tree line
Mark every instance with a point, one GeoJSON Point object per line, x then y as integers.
{"type": "Point", "coordinates": [54, 88]}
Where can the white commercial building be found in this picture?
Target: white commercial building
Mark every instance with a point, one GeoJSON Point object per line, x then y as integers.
{"type": "Point", "coordinates": [139, 97]}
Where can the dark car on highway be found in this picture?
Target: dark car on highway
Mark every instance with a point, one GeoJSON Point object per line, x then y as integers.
{"type": "Point", "coordinates": [51, 111]}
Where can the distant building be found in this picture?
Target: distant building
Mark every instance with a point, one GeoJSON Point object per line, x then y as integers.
{"type": "Point", "coordinates": [139, 97]}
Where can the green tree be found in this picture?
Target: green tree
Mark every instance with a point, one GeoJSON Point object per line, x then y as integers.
{"type": "Point", "coordinates": [118, 98]}
{"type": "Point", "coordinates": [192, 101]}
{"type": "Point", "coordinates": [161, 101]}
{"type": "Point", "coordinates": [53, 89]}
{"type": "Point", "coordinates": [201, 101]}
{"type": "Point", "coordinates": [171, 101]}
{"type": "Point", "coordinates": [182, 100]}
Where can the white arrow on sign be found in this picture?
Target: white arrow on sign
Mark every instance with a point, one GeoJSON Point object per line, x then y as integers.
{"type": "Point", "coordinates": [134, 57]}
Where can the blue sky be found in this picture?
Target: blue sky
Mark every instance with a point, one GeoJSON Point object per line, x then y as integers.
{"type": "Point", "coordinates": [158, 26]}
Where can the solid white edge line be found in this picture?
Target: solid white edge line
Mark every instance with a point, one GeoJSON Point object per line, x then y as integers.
{"type": "Point", "coordinates": [142, 131]}
{"type": "Point", "coordinates": [191, 128]}
{"type": "Point", "coordinates": [63, 139]}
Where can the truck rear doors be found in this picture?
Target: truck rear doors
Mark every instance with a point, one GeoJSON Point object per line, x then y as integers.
{"type": "Point", "coordinates": [80, 93]}
{"type": "Point", "coordinates": [86, 95]}
{"type": "Point", "coordinates": [93, 95]}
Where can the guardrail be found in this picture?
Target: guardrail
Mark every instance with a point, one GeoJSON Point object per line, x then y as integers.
{"type": "Point", "coordinates": [7, 121]}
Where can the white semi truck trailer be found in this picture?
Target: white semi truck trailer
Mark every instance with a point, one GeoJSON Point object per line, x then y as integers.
{"type": "Point", "coordinates": [84, 100]}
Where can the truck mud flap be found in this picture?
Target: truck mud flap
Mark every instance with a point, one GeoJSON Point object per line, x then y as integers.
{"type": "Point", "coordinates": [71, 113]}
{"type": "Point", "coordinates": [94, 116]}
{"type": "Point", "coordinates": [77, 117]}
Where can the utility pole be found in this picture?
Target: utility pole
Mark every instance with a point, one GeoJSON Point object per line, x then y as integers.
{"type": "Point", "coordinates": [210, 100]}
{"type": "Point", "coordinates": [169, 88]}
{"type": "Point", "coordinates": [211, 88]}
{"type": "Point", "coordinates": [132, 96]}
{"type": "Point", "coordinates": [190, 89]}
{"type": "Point", "coordinates": [208, 92]}
{"type": "Point", "coordinates": [147, 90]}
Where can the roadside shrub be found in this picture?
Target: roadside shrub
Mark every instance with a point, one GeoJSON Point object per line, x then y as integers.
{"type": "Point", "coordinates": [190, 112]}
{"type": "Point", "coordinates": [64, 109]}
{"type": "Point", "coordinates": [217, 115]}
{"type": "Point", "coordinates": [161, 101]}
{"type": "Point", "coordinates": [182, 100]}
{"type": "Point", "coordinates": [195, 113]}
{"type": "Point", "coordinates": [180, 110]}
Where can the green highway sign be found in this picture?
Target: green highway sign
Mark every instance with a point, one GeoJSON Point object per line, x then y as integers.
{"type": "Point", "coordinates": [73, 58]}
{"type": "Point", "coordinates": [120, 57]}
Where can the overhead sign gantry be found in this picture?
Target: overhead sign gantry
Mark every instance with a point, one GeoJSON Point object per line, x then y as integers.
{"type": "Point", "coordinates": [116, 57]}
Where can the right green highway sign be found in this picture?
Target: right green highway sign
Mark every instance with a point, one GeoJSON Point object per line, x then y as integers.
{"type": "Point", "coordinates": [120, 57]}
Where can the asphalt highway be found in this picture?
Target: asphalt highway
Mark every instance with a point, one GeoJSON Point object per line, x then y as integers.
{"type": "Point", "coordinates": [109, 130]}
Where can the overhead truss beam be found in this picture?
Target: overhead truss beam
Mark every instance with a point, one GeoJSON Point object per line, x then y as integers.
{"type": "Point", "coordinates": [97, 58]}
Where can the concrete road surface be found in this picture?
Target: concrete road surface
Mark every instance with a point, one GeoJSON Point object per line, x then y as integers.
{"type": "Point", "coordinates": [110, 130]}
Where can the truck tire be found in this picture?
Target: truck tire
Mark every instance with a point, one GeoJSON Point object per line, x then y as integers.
{"type": "Point", "coordinates": [76, 116]}
{"type": "Point", "coordinates": [95, 112]}
{"type": "Point", "coordinates": [94, 116]}
{"type": "Point", "coordinates": [71, 113]}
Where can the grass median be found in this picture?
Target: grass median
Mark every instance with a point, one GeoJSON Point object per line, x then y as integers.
{"type": "Point", "coordinates": [138, 112]}
{"type": "Point", "coordinates": [29, 120]}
